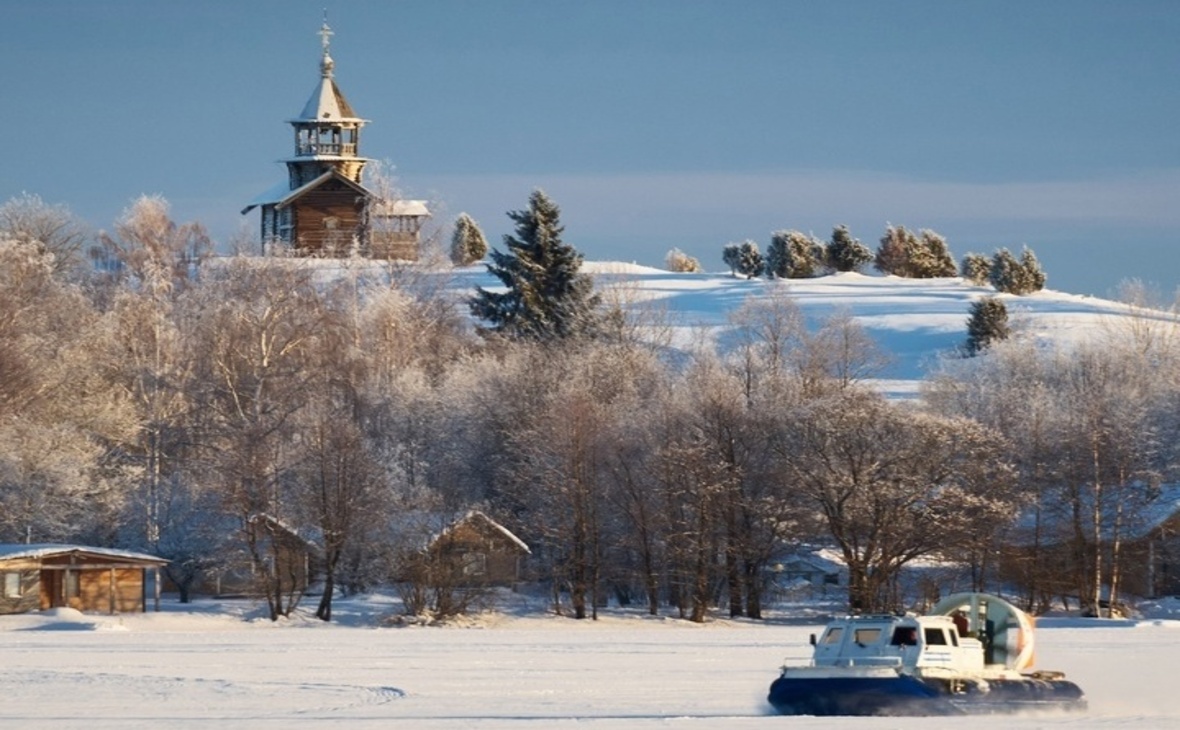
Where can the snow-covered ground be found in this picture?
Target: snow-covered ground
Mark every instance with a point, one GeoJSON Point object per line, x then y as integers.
{"type": "Point", "coordinates": [914, 321]}
{"type": "Point", "coordinates": [219, 665]}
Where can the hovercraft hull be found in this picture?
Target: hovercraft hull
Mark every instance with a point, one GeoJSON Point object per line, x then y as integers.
{"type": "Point", "coordinates": [904, 694]}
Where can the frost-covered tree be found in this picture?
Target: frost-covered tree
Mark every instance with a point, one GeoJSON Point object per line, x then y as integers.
{"type": "Point", "coordinates": [976, 268]}
{"type": "Point", "coordinates": [1033, 274]}
{"type": "Point", "coordinates": [743, 259]}
{"type": "Point", "coordinates": [731, 256]}
{"type": "Point", "coordinates": [845, 253]}
{"type": "Point", "coordinates": [1006, 273]}
{"type": "Point", "coordinates": [150, 358]}
{"type": "Point", "coordinates": [58, 408]}
{"type": "Point", "coordinates": [152, 249]}
{"type": "Point", "coordinates": [1089, 426]}
{"type": "Point", "coordinates": [1013, 276]}
{"type": "Point", "coordinates": [987, 323]}
{"type": "Point", "coordinates": [255, 330]}
{"type": "Point", "coordinates": [548, 297]}
{"type": "Point", "coordinates": [677, 260]}
{"type": "Point", "coordinates": [793, 255]}
{"type": "Point", "coordinates": [936, 259]}
{"type": "Point", "coordinates": [893, 484]}
{"type": "Point", "coordinates": [895, 250]}
{"type": "Point", "coordinates": [919, 256]}
{"type": "Point", "coordinates": [52, 229]}
{"type": "Point", "coordinates": [468, 244]}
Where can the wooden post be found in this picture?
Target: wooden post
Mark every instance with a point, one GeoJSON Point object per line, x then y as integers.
{"type": "Point", "coordinates": [112, 596]}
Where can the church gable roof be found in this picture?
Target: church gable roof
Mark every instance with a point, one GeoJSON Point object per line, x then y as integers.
{"type": "Point", "coordinates": [302, 190]}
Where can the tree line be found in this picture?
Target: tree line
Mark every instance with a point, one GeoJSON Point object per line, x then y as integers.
{"type": "Point", "coordinates": [901, 252]}
{"type": "Point", "coordinates": [167, 400]}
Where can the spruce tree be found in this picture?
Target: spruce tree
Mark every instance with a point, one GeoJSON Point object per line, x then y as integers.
{"type": "Point", "coordinates": [1034, 277]}
{"type": "Point", "coordinates": [1006, 274]}
{"type": "Point", "coordinates": [778, 258]}
{"type": "Point", "coordinates": [750, 261]}
{"type": "Point", "coordinates": [793, 255]}
{"type": "Point", "coordinates": [547, 297]}
{"type": "Point", "coordinates": [940, 263]}
{"type": "Point", "coordinates": [1016, 277]}
{"type": "Point", "coordinates": [846, 253]}
{"type": "Point", "coordinates": [743, 258]}
{"type": "Point", "coordinates": [988, 323]}
{"type": "Point", "coordinates": [731, 255]}
{"type": "Point", "coordinates": [468, 243]}
{"type": "Point", "coordinates": [976, 268]}
{"type": "Point", "coordinates": [893, 253]}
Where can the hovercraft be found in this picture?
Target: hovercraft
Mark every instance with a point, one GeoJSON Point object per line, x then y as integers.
{"type": "Point", "coordinates": [972, 654]}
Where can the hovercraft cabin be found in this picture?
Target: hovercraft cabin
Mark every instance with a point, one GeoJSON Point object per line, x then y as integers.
{"type": "Point", "coordinates": [40, 577]}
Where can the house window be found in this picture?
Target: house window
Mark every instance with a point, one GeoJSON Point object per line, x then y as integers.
{"type": "Point", "coordinates": [475, 564]}
{"type": "Point", "coordinates": [72, 584]}
{"type": "Point", "coordinates": [12, 585]}
{"type": "Point", "coordinates": [331, 223]}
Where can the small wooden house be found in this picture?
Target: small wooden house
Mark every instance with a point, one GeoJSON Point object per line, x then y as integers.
{"type": "Point", "coordinates": [291, 559]}
{"type": "Point", "coordinates": [39, 577]}
{"type": "Point", "coordinates": [481, 549]}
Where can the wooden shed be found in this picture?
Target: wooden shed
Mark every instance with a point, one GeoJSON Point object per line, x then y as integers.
{"type": "Point", "coordinates": [39, 577]}
{"type": "Point", "coordinates": [481, 549]}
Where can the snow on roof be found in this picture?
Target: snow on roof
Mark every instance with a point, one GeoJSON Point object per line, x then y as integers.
{"type": "Point", "coordinates": [47, 550]}
{"type": "Point", "coordinates": [1145, 520]}
{"type": "Point", "coordinates": [327, 104]}
{"type": "Point", "coordinates": [287, 196]}
{"type": "Point", "coordinates": [270, 196]}
{"type": "Point", "coordinates": [303, 536]}
{"type": "Point", "coordinates": [398, 207]}
{"type": "Point", "coordinates": [1137, 511]}
{"type": "Point", "coordinates": [480, 516]}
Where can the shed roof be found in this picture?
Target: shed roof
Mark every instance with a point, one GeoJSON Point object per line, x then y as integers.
{"type": "Point", "coordinates": [53, 550]}
{"type": "Point", "coordinates": [477, 517]}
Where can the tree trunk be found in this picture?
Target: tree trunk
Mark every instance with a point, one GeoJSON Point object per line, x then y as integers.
{"type": "Point", "coordinates": [324, 611]}
{"type": "Point", "coordinates": [753, 581]}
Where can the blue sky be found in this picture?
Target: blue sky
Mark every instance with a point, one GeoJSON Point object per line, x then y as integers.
{"type": "Point", "coordinates": [658, 124]}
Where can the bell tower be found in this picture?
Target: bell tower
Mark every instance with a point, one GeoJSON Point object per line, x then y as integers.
{"type": "Point", "coordinates": [327, 131]}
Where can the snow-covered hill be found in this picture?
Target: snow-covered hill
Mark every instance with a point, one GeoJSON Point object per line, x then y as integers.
{"type": "Point", "coordinates": [914, 321]}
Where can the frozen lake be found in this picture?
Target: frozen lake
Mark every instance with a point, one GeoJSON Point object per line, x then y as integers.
{"type": "Point", "coordinates": [189, 669]}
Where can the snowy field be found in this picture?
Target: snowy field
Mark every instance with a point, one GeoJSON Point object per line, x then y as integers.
{"type": "Point", "coordinates": [913, 321]}
{"type": "Point", "coordinates": [218, 665]}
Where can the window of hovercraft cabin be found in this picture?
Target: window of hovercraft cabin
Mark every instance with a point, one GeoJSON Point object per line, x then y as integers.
{"type": "Point", "coordinates": [833, 636]}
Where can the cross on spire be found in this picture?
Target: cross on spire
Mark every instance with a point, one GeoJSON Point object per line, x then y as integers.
{"type": "Point", "coordinates": [326, 33]}
{"type": "Point", "coordinates": [326, 36]}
